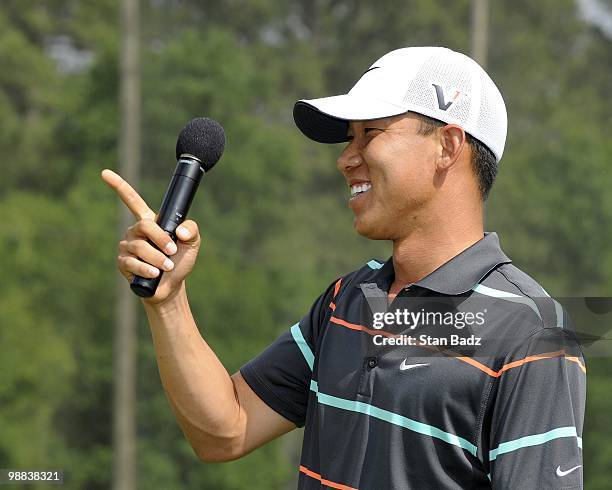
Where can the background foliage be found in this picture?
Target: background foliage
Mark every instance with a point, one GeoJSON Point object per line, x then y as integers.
{"type": "Point", "coordinates": [273, 214]}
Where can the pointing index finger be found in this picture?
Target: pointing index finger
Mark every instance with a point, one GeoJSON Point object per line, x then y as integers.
{"type": "Point", "coordinates": [128, 195]}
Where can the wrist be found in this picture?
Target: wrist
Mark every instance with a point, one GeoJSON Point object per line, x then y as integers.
{"type": "Point", "coordinates": [170, 306]}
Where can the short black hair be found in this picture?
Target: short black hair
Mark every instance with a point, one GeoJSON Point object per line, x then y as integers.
{"type": "Point", "coordinates": [484, 163]}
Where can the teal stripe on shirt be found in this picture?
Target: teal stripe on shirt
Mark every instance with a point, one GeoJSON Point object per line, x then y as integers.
{"type": "Point", "coordinates": [535, 440]}
{"type": "Point", "coordinates": [392, 418]}
{"type": "Point", "coordinates": [373, 264]}
{"type": "Point", "coordinates": [301, 343]}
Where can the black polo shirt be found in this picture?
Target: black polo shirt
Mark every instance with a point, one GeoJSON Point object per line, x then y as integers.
{"type": "Point", "coordinates": [405, 396]}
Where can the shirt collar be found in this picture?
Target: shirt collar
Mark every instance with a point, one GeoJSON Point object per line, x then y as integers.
{"type": "Point", "coordinates": [459, 274]}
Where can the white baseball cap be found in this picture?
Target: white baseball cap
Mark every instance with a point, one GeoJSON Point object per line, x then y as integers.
{"type": "Point", "coordinates": [433, 81]}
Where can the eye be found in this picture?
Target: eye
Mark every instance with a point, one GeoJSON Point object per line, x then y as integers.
{"type": "Point", "coordinates": [368, 132]}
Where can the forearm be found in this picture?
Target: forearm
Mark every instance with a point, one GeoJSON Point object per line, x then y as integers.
{"type": "Point", "coordinates": [198, 386]}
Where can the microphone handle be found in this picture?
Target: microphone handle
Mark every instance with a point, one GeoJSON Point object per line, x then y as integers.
{"type": "Point", "coordinates": [172, 213]}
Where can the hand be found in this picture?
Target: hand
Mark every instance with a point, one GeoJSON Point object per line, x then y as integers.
{"type": "Point", "coordinates": [138, 257]}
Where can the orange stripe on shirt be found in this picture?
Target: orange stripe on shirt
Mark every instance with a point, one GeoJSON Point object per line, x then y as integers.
{"type": "Point", "coordinates": [332, 305]}
{"type": "Point", "coordinates": [577, 361]}
{"type": "Point", "coordinates": [478, 365]}
{"type": "Point", "coordinates": [518, 363]}
{"type": "Point", "coordinates": [337, 288]}
{"type": "Point", "coordinates": [323, 481]}
{"type": "Point", "coordinates": [548, 355]}
{"type": "Point", "coordinates": [354, 326]}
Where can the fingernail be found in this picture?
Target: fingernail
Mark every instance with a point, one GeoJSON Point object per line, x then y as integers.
{"type": "Point", "coordinates": [168, 265]}
{"type": "Point", "coordinates": [183, 232]}
{"type": "Point", "coordinates": [171, 248]}
{"type": "Point", "coordinates": [154, 271]}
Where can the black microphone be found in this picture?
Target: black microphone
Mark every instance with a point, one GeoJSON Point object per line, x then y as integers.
{"type": "Point", "coordinates": [198, 148]}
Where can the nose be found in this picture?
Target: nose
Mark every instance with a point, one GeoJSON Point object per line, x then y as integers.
{"type": "Point", "coordinates": [350, 157]}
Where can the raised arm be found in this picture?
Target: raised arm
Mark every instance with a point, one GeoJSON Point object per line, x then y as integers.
{"type": "Point", "coordinates": [220, 415]}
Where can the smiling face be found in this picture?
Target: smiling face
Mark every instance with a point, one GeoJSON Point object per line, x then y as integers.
{"type": "Point", "coordinates": [391, 172]}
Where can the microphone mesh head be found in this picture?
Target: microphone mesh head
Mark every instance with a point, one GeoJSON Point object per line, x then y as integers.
{"type": "Point", "coordinates": [203, 138]}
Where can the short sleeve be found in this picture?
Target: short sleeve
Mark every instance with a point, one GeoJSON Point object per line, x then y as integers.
{"type": "Point", "coordinates": [538, 415]}
{"type": "Point", "coordinates": [281, 374]}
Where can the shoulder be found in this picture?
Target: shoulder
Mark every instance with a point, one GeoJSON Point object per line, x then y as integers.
{"type": "Point", "coordinates": [511, 278]}
{"type": "Point", "coordinates": [508, 282]}
{"type": "Point", "coordinates": [365, 273]}
{"type": "Point", "coordinates": [347, 282]}
{"type": "Point", "coordinates": [534, 319]}
{"type": "Point", "coordinates": [339, 285]}
{"type": "Point", "coordinates": [325, 305]}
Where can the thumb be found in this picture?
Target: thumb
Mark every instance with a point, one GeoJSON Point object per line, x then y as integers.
{"type": "Point", "coordinates": [188, 232]}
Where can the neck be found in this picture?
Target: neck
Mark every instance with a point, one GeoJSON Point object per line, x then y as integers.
{"type": "Point", "coordinates": [427, 247]}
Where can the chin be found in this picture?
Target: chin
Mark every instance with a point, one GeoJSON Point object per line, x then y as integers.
{"type": "Point", "coordinates": [370, 229]}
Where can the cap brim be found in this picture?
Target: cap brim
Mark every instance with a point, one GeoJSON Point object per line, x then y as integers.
{"type": "Point", "coordinates": [326, 120]}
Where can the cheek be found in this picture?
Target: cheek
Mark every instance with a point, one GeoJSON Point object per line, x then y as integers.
{"type": "Point", "coordinates": [411, 179]}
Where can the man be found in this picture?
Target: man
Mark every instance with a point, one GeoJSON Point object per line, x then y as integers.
{"type": "Point", "coordinates": [426, 129]}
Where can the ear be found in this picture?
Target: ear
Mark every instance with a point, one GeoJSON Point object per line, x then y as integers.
{"type": "Point", "coordinates": [452, 142]}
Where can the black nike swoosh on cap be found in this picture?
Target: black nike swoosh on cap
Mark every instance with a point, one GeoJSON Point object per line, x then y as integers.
{"type": "Point", "coordinates": [370, 69]}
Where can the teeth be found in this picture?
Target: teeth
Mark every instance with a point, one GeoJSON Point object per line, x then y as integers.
{"type": "Point", "coordinates": [358, 188]}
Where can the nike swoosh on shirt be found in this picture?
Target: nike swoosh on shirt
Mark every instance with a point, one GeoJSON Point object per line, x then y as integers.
{"type": "Point", "coordinates": [404, 366]}
{"type": "Point", "coordinates": [563, 473]}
